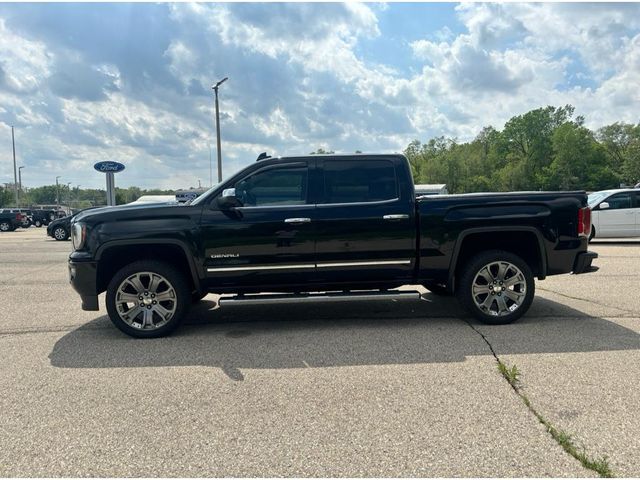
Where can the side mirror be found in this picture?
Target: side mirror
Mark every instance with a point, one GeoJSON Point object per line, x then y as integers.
{"type": "Point", "coordinates": [228, 199]}
{"type": "Point", "coordinates": [603, 206]}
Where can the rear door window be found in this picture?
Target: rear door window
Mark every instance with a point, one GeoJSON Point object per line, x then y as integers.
{"type": "Point", "coordinates": [359, 181]}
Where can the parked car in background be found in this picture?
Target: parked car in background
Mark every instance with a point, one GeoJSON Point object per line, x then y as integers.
{"type": "Point", "coordinates": [10, 220]}
{"type": "Point", "coordinates": [615, 213]}
{"type": "Point", "coordinates": [43, 217]}
{"type": "Point", "coordinates": [60, 229]}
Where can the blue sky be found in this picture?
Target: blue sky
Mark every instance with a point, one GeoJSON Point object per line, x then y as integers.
{"type": "Point", "coordinates": [131, 82]}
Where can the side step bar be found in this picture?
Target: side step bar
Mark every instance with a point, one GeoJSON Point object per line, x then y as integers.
{"type": "Point", "coordinates": [274, 299]}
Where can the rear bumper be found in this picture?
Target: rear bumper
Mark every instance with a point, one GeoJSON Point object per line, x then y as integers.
{"type": "Point", "coordinates": [82, 277]}
{"type": "Point", "coordinates": [583, 261]}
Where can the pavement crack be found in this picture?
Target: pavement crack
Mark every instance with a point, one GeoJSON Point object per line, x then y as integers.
{"type": "Point", "coordinates": [512, 375]}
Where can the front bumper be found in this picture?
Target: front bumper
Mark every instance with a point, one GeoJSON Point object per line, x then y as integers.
{"type": "Point", "coordinates": [583, 261]}
{"type": "Point", "coordinates": [82, 277]}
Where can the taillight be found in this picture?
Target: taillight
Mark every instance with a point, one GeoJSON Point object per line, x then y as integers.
{"type": "Point", "coordinates": [584, 222]}
{"type": "Point", "coordinates": [18, 217]}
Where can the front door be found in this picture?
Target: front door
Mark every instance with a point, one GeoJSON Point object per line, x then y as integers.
{"type": "Point", "coordinates": [270, 239]}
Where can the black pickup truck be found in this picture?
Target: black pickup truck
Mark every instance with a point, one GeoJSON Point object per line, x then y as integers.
{"type": "Point", "coordinates": [10, 219]}
{"type": "Point", "coordinates": [325, 228]}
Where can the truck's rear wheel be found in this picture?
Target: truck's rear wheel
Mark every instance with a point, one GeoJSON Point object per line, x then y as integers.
{"type": "Point", "coordinates": [148, 299]}
{"type": "Point", "coordinates": [496, 287]}
{"type": "Point", "coordinates": [5, 227]}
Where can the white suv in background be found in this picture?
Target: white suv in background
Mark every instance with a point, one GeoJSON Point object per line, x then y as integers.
{"type": "Point", "coordinates": [615, 213]}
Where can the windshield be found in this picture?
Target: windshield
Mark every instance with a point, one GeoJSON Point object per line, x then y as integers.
{"type": "Point", "coordinates": [596, 197]}
{"type": "Point", "coordinates": [201, 197]}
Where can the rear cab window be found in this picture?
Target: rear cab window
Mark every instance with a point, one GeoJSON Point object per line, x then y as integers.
{"type": "Point", "coordinates": [359, 181]}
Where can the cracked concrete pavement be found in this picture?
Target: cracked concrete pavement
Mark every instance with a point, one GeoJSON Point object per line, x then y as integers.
{"type": "Point", "coordinates": [361, 389]}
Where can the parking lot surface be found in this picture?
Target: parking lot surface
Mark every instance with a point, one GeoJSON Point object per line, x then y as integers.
{"type": "Point", "coordinates": [386, 388]}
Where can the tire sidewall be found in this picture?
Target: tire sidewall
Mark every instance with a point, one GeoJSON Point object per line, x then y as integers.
{"type": "Point", "coordinates": [5, 227]}
{"type": "Point", "coordinates": [178, 282]}
{"type": "Point", "coordinates": [464, 291]}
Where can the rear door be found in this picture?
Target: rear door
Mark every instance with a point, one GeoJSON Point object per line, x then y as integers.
{"type": "Point", "coordinates": [365, 228]}
{"type": "Point", "coordinates": [619, 220]}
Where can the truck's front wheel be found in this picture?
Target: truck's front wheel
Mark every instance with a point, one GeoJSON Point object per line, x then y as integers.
{"type": "Point", "coordinates": [148, 299]}
{"type": "Point", "coordinates": [496, 287]}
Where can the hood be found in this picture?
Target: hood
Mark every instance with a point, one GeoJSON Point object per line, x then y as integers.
{"type": "Point", "coordinates": [130, 210]}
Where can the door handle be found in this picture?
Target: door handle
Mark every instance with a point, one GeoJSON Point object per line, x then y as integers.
{"type": "Point", "coordinates": [297, 220]}
{"type": "Point", "coordinates": [399, 216]}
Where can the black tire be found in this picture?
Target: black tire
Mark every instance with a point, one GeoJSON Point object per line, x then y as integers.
{"type": "Point", "coordinates": [437, 289]}
{"type": "Point", "coordinates": [60, 233]}
{"type": "Point", "coordinates": [175, 279]}
{"type": "Point", "coordinates": [592, 235]}
{"type": "Point", "coordinates": [474, 267]}
{"type": "Point", "coordinates": [6, 227]}
{"type": "Point", "coordinates": [38, 223]}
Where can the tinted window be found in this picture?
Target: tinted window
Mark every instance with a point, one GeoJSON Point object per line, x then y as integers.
{"type": "Point", "coordinates": [359, 181]}
{"type": "Point", "coordinates": [278, 186]}
{"type": "Point", "coordinates": [619, 201]}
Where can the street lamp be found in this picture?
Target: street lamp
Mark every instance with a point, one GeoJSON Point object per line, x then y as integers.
{"type": "Point", "coordinates": [20, 182]}
{"type": "Point", "coordinates": [57, 194]}
{"type": "Point", "coordinates": [15, 179]}
{"type": "Point", "coordinates": [78, 196]}
{"type": "Point", "coordinates": [215, 89]}
{"type": "Point", "coordinates": [69, 196]}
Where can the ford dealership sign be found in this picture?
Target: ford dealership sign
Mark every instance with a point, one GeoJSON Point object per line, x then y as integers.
{"type": "Point", "coordinates": [109, 167]}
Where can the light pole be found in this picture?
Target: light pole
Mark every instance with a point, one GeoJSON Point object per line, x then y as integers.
{"type": "Point", "coordinates": [78, 196]}
{"type": "Point", "coordinates": [210, 167]}
{"type": "Point", "coordinates": [20, 181]}
{"type": "Point", "coordinates": [57, 194]}
{"type": "Point", "coordinates": [15, 176]}
{"type": "Point", "coordinates": [69, 196]}
{"type": "Point", "coordinates": [215, 89]}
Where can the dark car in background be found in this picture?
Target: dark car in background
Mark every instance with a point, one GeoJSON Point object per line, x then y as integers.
{"type": "Point", "coordinates": [60, 229]}
{"type": "Point", "coordinates": [10, 220]}
{"type": "Point", "coordinates": [43, 217]}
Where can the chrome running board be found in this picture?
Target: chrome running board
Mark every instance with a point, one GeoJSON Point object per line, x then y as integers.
{"type": "Point", "coordinates": [274, 299]}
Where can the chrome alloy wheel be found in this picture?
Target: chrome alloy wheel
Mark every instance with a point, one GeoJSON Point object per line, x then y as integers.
{"type": "Point", "coordinates": [499, 288]}
{"type": "Point", "coordinates": [5, 227]}
{"type": "Point", "coordinates": [60, 233]}
{"type": "Point", "coordinates": [146, 301]}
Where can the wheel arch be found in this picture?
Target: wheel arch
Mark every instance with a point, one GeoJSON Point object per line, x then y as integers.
{"type": "Point", "coordinates": [112, 256]}
{"type": "Point", "coordinates": [526, 242]}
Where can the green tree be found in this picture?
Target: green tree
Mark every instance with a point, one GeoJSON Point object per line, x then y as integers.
{"type": "Point", "coordinates": [622, 145]}
{"type": "Point", "coordinates": [6, 197]}
{"type": "Point", "coordinates": [528, 140]}
{"type": "Point", "coordinates": [579, 162]}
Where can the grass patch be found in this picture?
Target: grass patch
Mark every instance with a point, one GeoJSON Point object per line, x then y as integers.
{"type": "Point", "coordinates": [512, 375]}
{"type": "Point", "coordinates": [564, 439]}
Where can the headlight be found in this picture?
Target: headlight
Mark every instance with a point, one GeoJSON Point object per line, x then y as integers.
{"type": "Point", "coordinates": [78, 235]}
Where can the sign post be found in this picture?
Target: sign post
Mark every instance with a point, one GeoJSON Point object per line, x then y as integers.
{"type": "Point", "coordinates": [109, 168]}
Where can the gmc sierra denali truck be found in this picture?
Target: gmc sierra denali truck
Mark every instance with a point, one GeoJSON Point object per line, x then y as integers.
{"type": "Point", "coordinates": [325, 228]}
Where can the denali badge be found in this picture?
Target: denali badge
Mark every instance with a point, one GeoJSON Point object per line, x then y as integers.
{"type": "Point", "coordinates": [225, 255]}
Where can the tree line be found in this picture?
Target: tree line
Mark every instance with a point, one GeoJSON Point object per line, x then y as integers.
{"type": "Point", "coordinates": [75, 197]}
{"type": "Point", "coordinates": [543, 149]}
